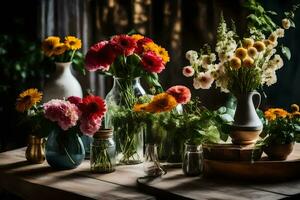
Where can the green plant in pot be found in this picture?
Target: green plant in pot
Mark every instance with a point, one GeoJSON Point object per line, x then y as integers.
{"type": "Point", "coordinates": [281, 131]}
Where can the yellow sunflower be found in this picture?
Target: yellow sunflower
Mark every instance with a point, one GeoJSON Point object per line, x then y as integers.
{"type": "Point", "coordinates": [60, 49]}
{"type": "Point", "coordinates": [72, 43]}
{"type": "Point", "coordinates": [137, 37]}
{"type": "Point", "coordinates": [163, 53]}
{"type": "Point", "coordinates": [140, 107]}
{"type": "Point", "coordinates": [161, 103]}
{"type": "Point", "coordinates": [49, 44]}
{"type": "Point", "coordinates": [27, 99]}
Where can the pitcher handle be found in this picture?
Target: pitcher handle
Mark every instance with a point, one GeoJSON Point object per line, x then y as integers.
{"type": "Point", "coordinates": [259, 98]}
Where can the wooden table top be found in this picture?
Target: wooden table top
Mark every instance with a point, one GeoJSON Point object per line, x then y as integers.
{"type": "Point", "coordinates": [41, 181]}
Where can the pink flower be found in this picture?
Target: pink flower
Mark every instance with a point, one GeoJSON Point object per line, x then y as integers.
{"type": "Point", "coordinates": [188, 71]}
{"type": "Point", "coordinates": [63, 112]}
{"type": "Point", "coordinates": [181, 93]}
{"type": "Point", "coordinates": [203, 80]}
{"type": "Point", "coordinates": [93, 109]}
{"type": "Point", "coordinates": [152, 63]}
{"type": "Point", "coordinates": [100, 56]}
{"type": "Point", "coordinates": [89, 126]}
{"type": "Point", "coordinates": [123, 44]}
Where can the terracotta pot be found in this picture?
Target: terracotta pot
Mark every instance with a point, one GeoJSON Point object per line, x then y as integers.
{"type": "Point", "coordinates": [279, 151]}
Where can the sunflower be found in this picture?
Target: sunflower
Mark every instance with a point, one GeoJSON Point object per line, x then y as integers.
{"type": "Point", "coordinates": [60, 49]}
{"type": "Point", "coordinates": [140, 107]}
{"type": "Point", "coordinates": [48, 45]}
{"type": "Point", "coordinates": [161, 103]}
{"type": "Point", "coordinates": [137, 37]}
{"type": "Point", "coordinates": [163, 53]}
{"type": "Point", "coordinates": [72, 42]}
{"type": "Point", "coordinates": [27, 99]}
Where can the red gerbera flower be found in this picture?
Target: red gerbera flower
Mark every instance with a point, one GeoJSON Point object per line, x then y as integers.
{"type": "Point", "coordinates": [100, 56]}
{"type": "Point", "coordinates": [181, 93]}
{"type": "Point", "coordinates": [140, 43]}
{"type": "Point", "coordinates": [92, 107]}
{"type": "Point", "coordinates": [123, 44]}
{"type": "Point", "coordinates": [152, 63]}
{"type": "Point", "coordinates": [75, 100]}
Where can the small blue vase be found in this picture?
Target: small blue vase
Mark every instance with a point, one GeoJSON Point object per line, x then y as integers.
{"type": "Point", "coordinates": [64, 149]}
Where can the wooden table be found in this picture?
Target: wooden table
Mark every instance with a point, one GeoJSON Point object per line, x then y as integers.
{"type": "Point", "coordinates": [42, 182]}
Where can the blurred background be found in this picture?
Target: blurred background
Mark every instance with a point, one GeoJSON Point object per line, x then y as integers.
{"type": "Point", "coordinates": [177, 25]}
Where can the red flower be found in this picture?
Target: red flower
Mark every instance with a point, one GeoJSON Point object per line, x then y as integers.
{"type": "Point", "coordinates": [140, 45]}
{"type": "Point", "coordinates": [100, 56]}
{"type": "Point", "coordinates": [123, 44]}
{"type": "Point", "coordinates": [152, 63]}
{"type": "Point", "coordinates": [92, 107]}
{"type": "Point", "coordinates": [181, 93]}
{"type": "Point", "coordinates": [75, 100]}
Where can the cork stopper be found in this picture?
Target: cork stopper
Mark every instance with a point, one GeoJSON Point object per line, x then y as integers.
{"type": "Point", "coordinates": [103, 133]}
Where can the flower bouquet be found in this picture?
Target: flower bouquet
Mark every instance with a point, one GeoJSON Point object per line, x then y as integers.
{"type": "Point", "coordinates": [63, 53]}
{"type": "Point", "coordinates": [127, 58]}
{"type": "Point", "coordinates": [241, 66]}
{"type": "Point", "coordinates": [157, 109]}
{"type": "Point", "coordinates": [74, 116]}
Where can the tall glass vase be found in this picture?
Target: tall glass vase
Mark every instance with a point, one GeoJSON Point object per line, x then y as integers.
{"type": "Point", "coordinates": [128, 132]}
{"type": "Point", "coordinates": [64, 149]}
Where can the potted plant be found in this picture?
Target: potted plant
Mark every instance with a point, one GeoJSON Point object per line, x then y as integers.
{"type": "Point", "coordinates": [281, 131]}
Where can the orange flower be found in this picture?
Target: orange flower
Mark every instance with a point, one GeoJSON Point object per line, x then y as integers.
{"type": "Point", "coordinates": [274, 113]}
{"type": "Point", "coordinates": [27, 99]}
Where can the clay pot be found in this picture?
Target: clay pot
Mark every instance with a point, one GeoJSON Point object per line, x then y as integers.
{"type": "Point", "coordinates": [279, 151]}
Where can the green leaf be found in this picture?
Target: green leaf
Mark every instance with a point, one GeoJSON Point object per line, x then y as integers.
{"type": "Point", "coordinates": [286, 52]}
{"type": "Point", "coordinates": [272, 12]}
{"type": "Point", "coordinates": [292, 23]}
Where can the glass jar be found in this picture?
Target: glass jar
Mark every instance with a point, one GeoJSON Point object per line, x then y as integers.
{"type": "Point", "coordinates": [192, 160]}
{"type": "Point", "coordinates": [151, 164]}
{"type": "Point", "coordinates": [103, 152]}
{"type": "Point", "coordinates": [128, 132]}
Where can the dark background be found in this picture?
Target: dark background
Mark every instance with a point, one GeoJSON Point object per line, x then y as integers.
{"type": "Point", "coordinates": [178, 25]}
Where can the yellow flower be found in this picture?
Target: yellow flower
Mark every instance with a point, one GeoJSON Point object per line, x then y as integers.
{"type": "Point", "coordinates": [162, 102]}
{"type": "Point", "coordinates": [137, 37]}
{"type": "Point", "coordinates": [295, 108]}
{"type": "Point", "coordinates": [72, 42]}
{"type": "Point", "coordinates": [252, 52]}
{"type": "Point", "coordinates": [260, 46]}
{"type": "Point", "coordinates": [235, 62]}
{"type": "Point", "coordinates": [60, 49]}
{"type": "Point", "coordinates": [241, 53]}
{"type": "Point", "coordinates": [140, 107]}
{"type": "Point", "coordinates": [274, 113]}
{"type": "Point", "coordinates": [49, 44]}
{"type": "Point", "coordinates": [27, 99]}
{"type": "Point", "coordinates": [248, 42]}
{"type": "Point", "coordinates": [158, 50]}
{"type": "Point", "coordinates": [248, 62]}
{"type": "Point", "coordinates": [163, 53]}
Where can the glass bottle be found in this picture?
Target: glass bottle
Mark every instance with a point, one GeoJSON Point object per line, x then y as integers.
{"type": "Point", "coordinates": [192, 160]}
{"type": "Point", "coordinates": [128, 134]}
{"type": "Point", "coordinates": [103, 152]}
{"type": "Point", "coordinates": [151, 164]}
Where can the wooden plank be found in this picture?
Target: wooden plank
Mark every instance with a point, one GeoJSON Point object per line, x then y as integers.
{"type": "Point", "coordinates": [30, 181]}
{"type": "Point", "coordinates": [176, 184]}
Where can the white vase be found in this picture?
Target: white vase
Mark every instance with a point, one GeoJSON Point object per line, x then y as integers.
{"type": "Point", "coordinates": [62, 83]}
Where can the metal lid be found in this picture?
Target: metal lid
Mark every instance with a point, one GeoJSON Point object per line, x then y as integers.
{"type": "Point", "coordinates": [103, 133]}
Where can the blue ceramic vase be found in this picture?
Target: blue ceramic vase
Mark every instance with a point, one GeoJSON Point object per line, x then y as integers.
{"type": "Point", "coordinates": [64, 149]}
